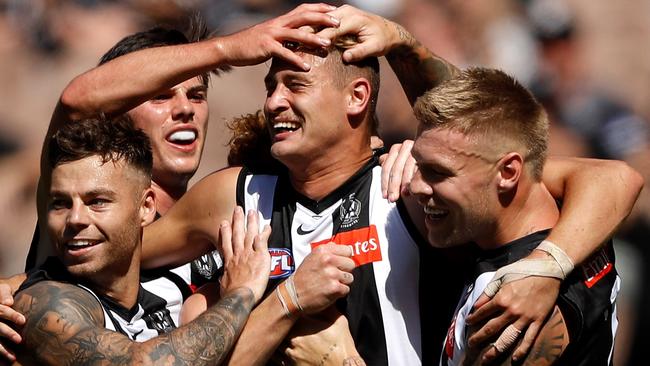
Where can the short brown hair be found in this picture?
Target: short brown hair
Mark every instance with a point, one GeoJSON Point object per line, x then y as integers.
{"type": "Point", "coordinates": [112, 139]}
{"type": "Point", "coordinates": [490, 104]}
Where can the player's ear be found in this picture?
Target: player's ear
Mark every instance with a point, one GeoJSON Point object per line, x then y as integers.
{"type": "Point", "coordinates": [510, 168]}
{"type": "Point", "coordinates": [147, 207]}
{"type": "Point", "coordinates": [359, 92]}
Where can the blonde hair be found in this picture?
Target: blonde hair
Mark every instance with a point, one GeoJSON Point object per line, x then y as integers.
{"type": "Point", "coordinates": [489, 104]}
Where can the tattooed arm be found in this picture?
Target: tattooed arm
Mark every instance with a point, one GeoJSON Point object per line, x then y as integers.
{"type": "Point", "coordinates": [549, 345]}
{"type": "Point", "coordinates": [65, 325]}
{"type": "Point", "coordinates": [417, 68]}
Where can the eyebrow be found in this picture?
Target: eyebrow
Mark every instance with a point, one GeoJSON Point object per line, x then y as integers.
{"type": "Point", "coordinates": [92, 193]}
{"type": "Point", "coordinates": [198, 88]}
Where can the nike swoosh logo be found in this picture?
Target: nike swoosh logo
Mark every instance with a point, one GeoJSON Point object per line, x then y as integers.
{"type": "Point", "coordinates": [135, 334]}
{"type": "Point", "coordinates": [303, 232]}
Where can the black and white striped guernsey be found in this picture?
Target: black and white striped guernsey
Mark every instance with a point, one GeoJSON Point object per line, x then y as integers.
{"type": "Point", "coordinates": [383, 307]}
{"type": "Point", "coordinates": [587, 301]}
{"type": "Point", "coordinates": [153, 314]}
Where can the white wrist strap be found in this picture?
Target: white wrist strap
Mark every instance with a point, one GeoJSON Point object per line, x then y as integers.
{"type": "Point", "coordinates": [521, 269]}
{"type": "Point", "coordinates": [562, 259]}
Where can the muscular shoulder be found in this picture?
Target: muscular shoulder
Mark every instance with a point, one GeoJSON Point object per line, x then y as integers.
{"type": "Point", "coordinates": [50, 297]}
{"type": "Point", "coordinates": [56, 314]}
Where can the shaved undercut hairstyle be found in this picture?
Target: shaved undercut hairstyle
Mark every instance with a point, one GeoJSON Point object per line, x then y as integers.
{"type": "Point", "coordinates": [112, 140]}
{"type": "Point", "coordinates": [493, 107]}
{"type": "Point", "coordinates": [344, 72]}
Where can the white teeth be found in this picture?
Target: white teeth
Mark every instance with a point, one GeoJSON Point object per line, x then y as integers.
{"type": "Point", "coordinates": [433, 211]}
{"type": "Point", "coordinates": [184, 135]}
{"type": "Point", "coordinates": [80, 243]}
{"type": "Point", "coordinates": [286, 125]}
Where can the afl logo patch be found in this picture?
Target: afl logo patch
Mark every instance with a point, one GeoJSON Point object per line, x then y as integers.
{"type": "Point", "coordinates": [281, 263]}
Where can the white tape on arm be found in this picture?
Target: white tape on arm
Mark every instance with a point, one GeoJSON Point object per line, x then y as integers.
{"type": "Point", "coordinates": [560, 256]}
{"type": "Point", "coordinates": [521, 269]}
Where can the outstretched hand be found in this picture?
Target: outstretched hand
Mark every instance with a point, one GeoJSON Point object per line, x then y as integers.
{"type": "Point", "coordinates": [245, 254]}
{"type": "Point", "coordinates": [262, 41]}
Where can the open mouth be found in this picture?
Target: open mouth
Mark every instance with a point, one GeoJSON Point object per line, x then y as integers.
{"type": "Point", "coordinates": [78, 245]}
{"type": "Point", "coordinates": [282, 127]}
{"type": "Point", "coordinates": [182, 137]}
{"type": "Point", "coordinates": [435, 214]}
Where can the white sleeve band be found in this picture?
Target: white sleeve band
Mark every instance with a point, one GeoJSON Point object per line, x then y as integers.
{"type": "Point", "coordinates": [560, 256]}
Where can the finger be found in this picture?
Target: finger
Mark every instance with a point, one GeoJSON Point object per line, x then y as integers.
{"type": "Point", "coordinates": [225, 233]}
{"type": "Point", "coordinates": [529, 338]}
{"type": "Point", "coordinates": [347, 278]}
{"type": "Point", "coordinates": [252, 228]}
{"type": "Point", "coordinates": [7, 354]}
{"type": "Point", "coordinates": [409, 171]}
{"type": "Point", "coordinates": [262, 240]}
{"type": "Point", "coordinates": [290, 57]}
{"type": "Point", "coordinates": [489, 330]}
{"type": "Point", "coordinates": [361, 51]}
{"type": "Point", "coordinates": [238, 231]}
{"type": "Point", "coordinates": [8, 333]}
{"type": "Point", "coordinates": [319, 7]}
{"type": "Point", "coordinates": [344, 264]}
{"type": "Point", "coordinates": [11, 315]}
{"type": "Point", "coordinates": [397, 171]}
{"type": "Point", "coordinates": [311, 18]}
{"type": "Point", "coordinates": [387, 168]}
{"type": "Point", "coordinates": [484, 308]}
{"type": "Point", "coordinates": [5, 295]}
{"type": "Point", "coordinates": [503, 344]}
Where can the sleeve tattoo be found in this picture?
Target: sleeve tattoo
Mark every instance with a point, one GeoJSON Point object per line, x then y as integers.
{"type": "Point", "coordinates": [417, 68]}
{"type": "Point", "coordinates": [65, 325]}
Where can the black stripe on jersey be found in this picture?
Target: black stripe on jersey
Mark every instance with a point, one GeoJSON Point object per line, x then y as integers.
{"type": "Point", "coordinates": [441, 282]}
{"type": "Point", "coordinates": [365, 317]}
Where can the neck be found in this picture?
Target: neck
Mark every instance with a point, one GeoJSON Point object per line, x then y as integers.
{"type": "Point", "coordinates": [532, 209]}
{"type": "Point", "coordinates": [316, 181]}
{"type": "Point", "coordinates": [120, 285]}
{"type": "Point", "coordinates": [166, 196]}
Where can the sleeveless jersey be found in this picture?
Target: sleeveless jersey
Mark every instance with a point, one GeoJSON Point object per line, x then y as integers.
{"type": "Point", "coordinates": [587, 301]}
{"type": "Point", "coordinates": [382, 307]}
{"type": "Point", "coordinates": [153, 314]}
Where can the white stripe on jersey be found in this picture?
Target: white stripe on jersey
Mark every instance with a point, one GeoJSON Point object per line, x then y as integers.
{"type": "Point", "coordinates": [396, 276]}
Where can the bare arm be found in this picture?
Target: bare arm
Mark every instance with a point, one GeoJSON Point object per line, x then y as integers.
{"type": "Point", "coordinates": [191, 227]}
{"type": "Point", "coordinates": [125, 82]}
{"type": "Point", "coordinates": [597, 195]}
{"type": "Point", "coordinates": [65, 325]}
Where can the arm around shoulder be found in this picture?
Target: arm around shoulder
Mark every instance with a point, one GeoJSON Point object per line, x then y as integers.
{"type": "Point", "coordinates": [191, 227]}
{"type": "Point", "coordinates": [597, 195]}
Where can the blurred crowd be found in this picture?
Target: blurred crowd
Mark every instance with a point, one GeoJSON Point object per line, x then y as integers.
{"type": "Point", "coordinates": [586, 61]}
